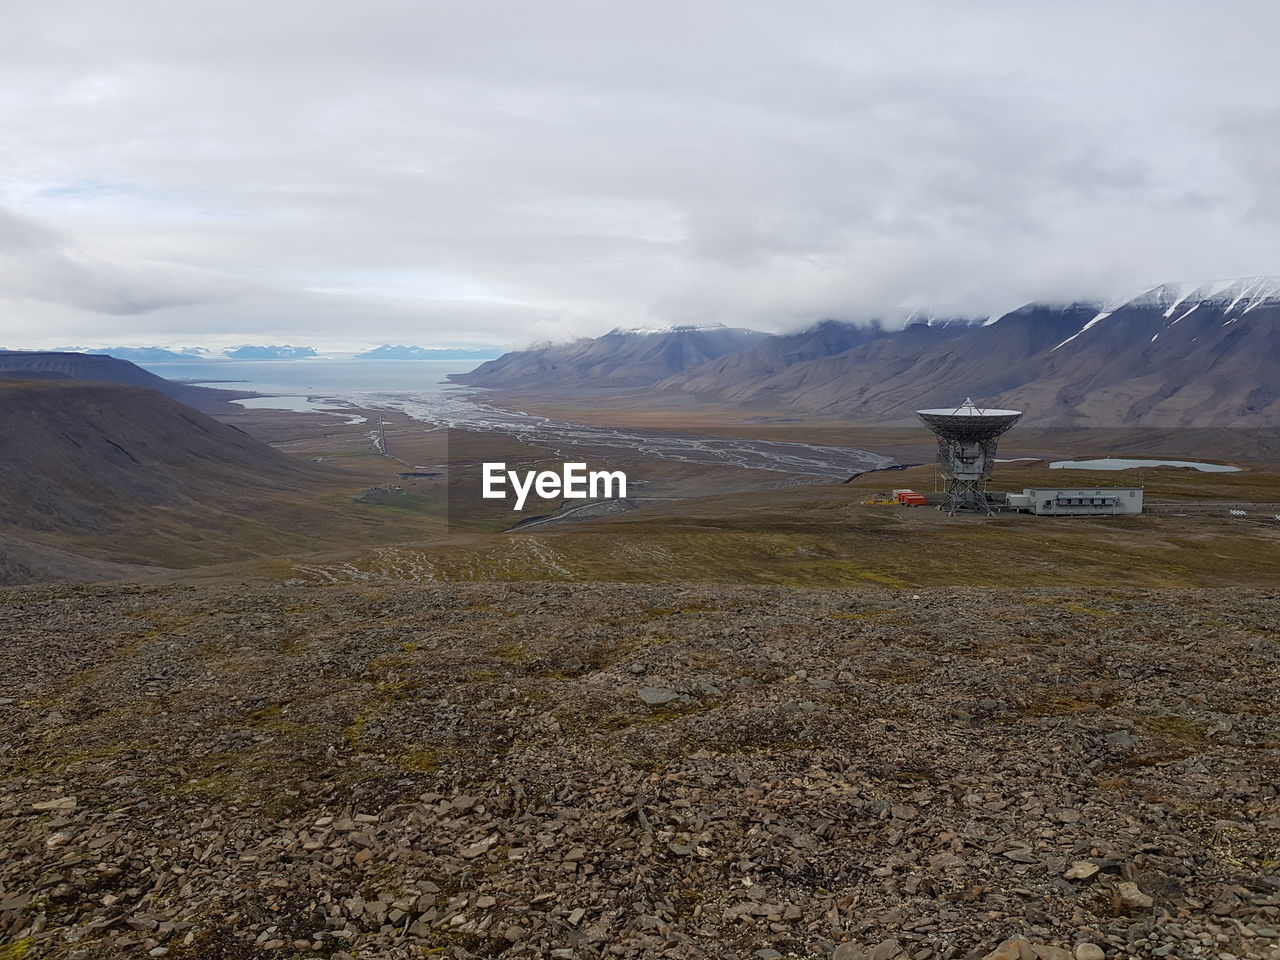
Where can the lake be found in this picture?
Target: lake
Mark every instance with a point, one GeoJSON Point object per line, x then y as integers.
{"type": "Point", "coordinates": [1122, 463]}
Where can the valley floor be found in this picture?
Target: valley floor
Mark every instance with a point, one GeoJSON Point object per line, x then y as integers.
{"type": "Point", "coordinates": [596, 770]}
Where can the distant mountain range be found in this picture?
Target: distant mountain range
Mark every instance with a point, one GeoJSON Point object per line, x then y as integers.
{"type": "Point", "coordinates": [1176, 355]}
{"type": "Point", "coordinates": [187, 354]}
{"type": "Point", "coordinates": [401, 352]}
{"type": "Point", "coordinates": [151, 354]}
{"type": "Point", "coordinates": [273, 352]}
{"type": "Point", "coordinates": [620, 358]}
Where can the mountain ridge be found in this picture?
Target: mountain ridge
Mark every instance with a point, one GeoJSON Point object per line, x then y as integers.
{"type": "Point", "coordinates": [1186, 354]}
{"type": "Point", "coordinates": [400, 351]}
{"type": "Point", "coordinates": [249, 351]}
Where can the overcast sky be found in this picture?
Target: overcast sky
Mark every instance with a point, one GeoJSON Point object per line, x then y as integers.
{"type": "Point", "coordinates": [346, 173]}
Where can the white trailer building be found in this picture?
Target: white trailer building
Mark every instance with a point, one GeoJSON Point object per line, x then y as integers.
{"type": "Point", "coordinates": [1076, 501]}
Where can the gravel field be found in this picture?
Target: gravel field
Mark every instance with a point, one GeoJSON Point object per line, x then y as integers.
{"type": "Point", "coordinates": [596, 770]}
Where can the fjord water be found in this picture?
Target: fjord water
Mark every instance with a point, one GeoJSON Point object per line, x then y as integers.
{"type": "Point", "coordinates": [321, 375]}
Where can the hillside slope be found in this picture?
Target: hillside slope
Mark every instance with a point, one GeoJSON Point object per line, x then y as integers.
{"type": "Point", "coordinates": [885, 371]}
{"type": "Point", "coordinates": [71, 452]}
{"type": "Point", "coordinates": [23, 561]}
{"type": "Point", "coordinates": [772, 355]}
{"type": "Point", "coordinates": [620, 358]}
{"type": "Point", "coordinates": [124, 475]}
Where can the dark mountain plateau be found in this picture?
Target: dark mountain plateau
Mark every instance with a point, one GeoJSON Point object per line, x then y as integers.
{"type": "Point", "coordinates": [86, 366]}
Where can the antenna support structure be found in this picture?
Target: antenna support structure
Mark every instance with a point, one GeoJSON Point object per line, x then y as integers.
{"type": "Point", "coordinates": [967, 437]}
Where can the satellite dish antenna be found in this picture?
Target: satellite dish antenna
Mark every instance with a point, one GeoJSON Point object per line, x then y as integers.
{"type": "Point", "coordinates": [967, 437]}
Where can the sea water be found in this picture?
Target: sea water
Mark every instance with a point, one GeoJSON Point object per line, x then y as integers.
{"type": "Point", "coordinates": [316, 375]}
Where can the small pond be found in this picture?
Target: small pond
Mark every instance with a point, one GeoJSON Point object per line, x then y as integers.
{"type": "Point", "coordinates": [1120, 463]}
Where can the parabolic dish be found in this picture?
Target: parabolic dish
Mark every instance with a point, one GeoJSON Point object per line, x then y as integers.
{"type": "Point", "coordinates": [967, 422]}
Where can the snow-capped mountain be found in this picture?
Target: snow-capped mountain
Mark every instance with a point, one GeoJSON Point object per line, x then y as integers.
{"type": "Point", "coordinates": [1179, 354]}
{"type": "Point", "coordinates": [1196, 354]}
{"type": "Point", "coordinates": [250, 351]}
{"type": "Point", "coordinates": [1177, 301]}
{"type": "Point", "coordinates": [1186, 354]}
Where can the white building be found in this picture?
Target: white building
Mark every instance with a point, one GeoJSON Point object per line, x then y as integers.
{"type": "Point", "coordinates": [1076, 501]}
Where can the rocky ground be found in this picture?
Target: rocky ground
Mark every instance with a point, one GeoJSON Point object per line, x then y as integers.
{"type": "Point", "coordinates": [587, 770]}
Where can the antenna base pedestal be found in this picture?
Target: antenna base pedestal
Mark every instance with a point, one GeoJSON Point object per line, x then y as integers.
{"type": "Point", "coordinates": [965, 495]}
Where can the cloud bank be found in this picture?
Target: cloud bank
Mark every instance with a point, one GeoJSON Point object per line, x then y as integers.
{"type": "Point", "coordinates": [38, 263]}
{"type": "Point", "coordinates": [494, 172]}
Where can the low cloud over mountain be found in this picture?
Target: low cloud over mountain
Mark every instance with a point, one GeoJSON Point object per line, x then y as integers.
{"type": "Point", "coordinates": [1188, 355]}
